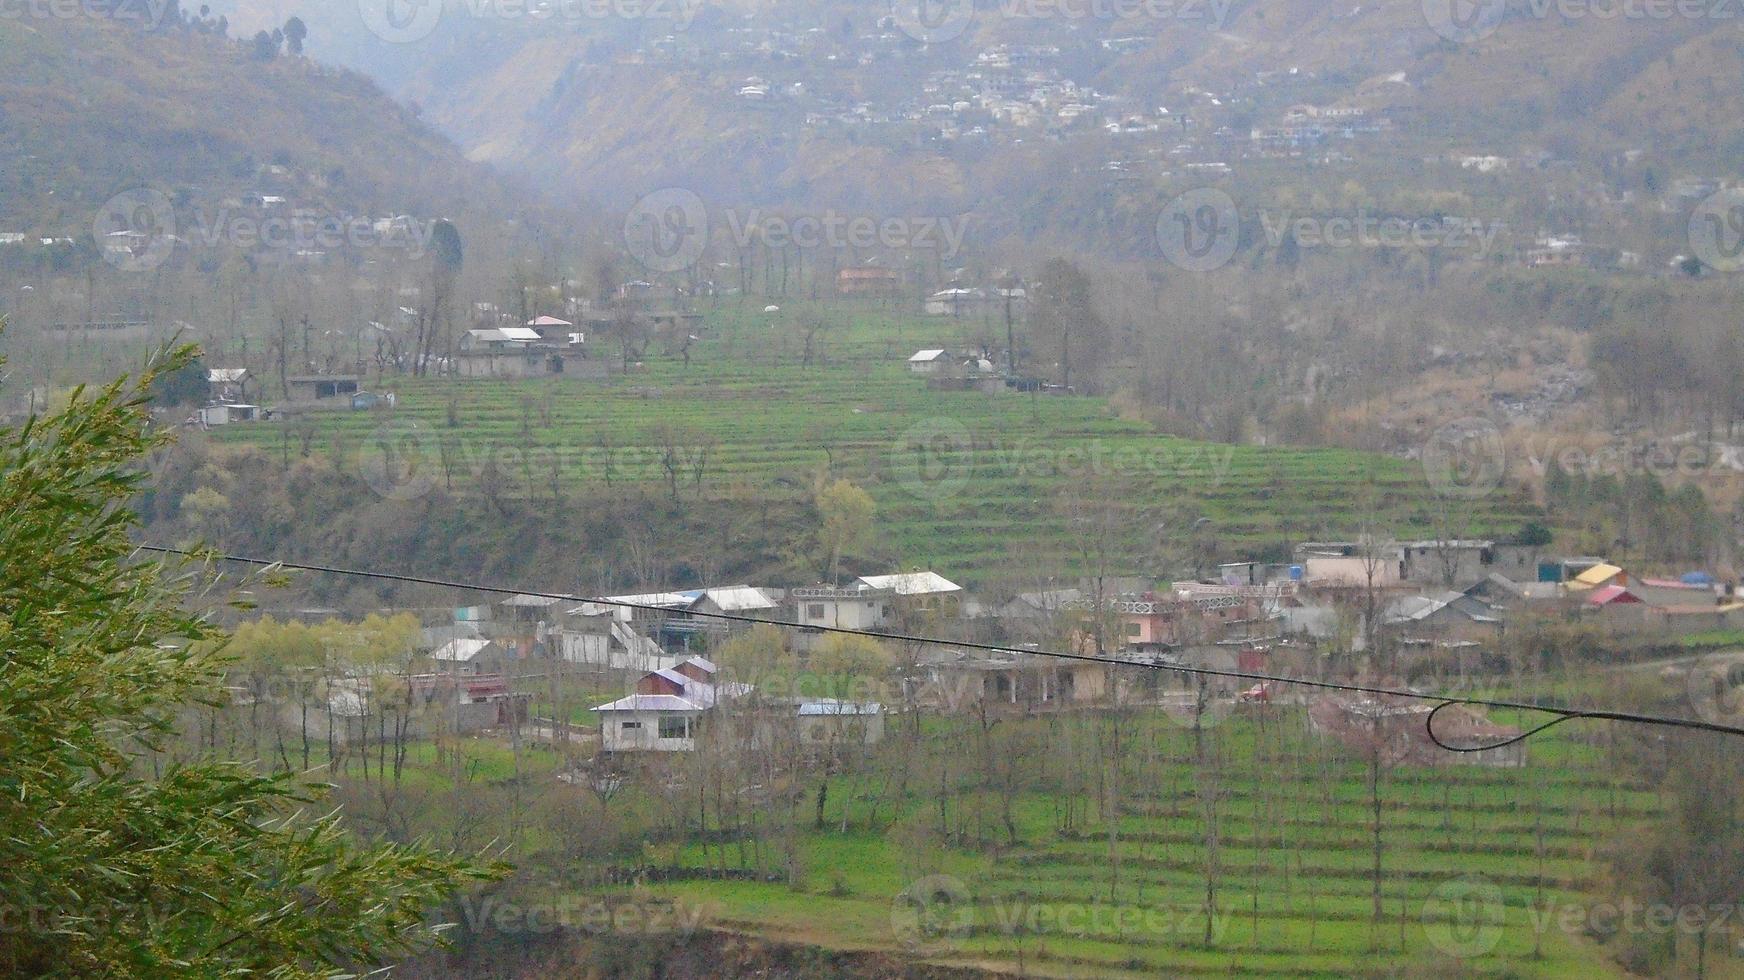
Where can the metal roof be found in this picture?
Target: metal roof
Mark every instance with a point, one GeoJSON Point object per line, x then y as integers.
{"type": "Point", "coordinates": [460, 649]}
{"type": "Point", "coordinates": [912, 583]}
{"type": "Point", "coordinates": [738, 598]}
{"type": "Point", "coordinates": [651, 702]}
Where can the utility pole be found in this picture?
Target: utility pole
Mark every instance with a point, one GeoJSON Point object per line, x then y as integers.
{"type": "Point", "coordinates": [1010, 343]}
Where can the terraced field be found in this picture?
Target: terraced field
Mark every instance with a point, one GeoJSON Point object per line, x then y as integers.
{"type": "Point", "coordinates": [953, 473]}
{"type": "Point", "coordinates": [1478, 869]}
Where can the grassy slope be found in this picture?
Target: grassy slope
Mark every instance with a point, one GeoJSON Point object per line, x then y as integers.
{"type": "Point", "coordinates": [91, 108]}
{"type": "Point", "coordinates": [1295, 895]}
{"type": "Point", "coordinates": [777, 424]}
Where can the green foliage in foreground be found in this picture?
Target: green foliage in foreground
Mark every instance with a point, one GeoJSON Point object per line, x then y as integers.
{"type": "Point", "coordinates": [120, 860]}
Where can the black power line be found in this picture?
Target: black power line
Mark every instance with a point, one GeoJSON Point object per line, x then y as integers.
{"type": "Point", "coordinates": [1443, 702]}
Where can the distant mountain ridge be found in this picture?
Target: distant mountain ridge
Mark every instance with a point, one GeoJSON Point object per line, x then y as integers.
{"type": "Point", "coordinates": [93, 107]}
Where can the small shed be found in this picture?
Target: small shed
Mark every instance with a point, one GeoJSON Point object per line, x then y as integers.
{"type": "Point", "coordinates": [835, 722]}
{"type": "Point", "coordinates": [322, 386]}
{"type": "Point", "coordinates": [931, 361]}
{"type": "Point", "coordinates": [225, 414]}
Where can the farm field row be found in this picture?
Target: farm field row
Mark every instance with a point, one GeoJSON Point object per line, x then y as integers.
{"type": "Point", "coordinates": [954, 474]}
{"type": "Point", "coordinates": [1293, 867]}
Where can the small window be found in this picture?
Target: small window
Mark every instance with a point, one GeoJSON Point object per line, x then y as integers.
{"type": "Point", "coordinates": [631, 726]}
{"type": "Point", "coordinates": [675, 728]}
{"type": "Point", "coordinates": [1132, 629]}
{"type": "Point", "coordinates": [814, 611]}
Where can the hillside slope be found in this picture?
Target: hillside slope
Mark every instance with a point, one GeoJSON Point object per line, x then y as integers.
{"type": "Point", "coordinates": [612, 108]}
{"type": "Point", "coordinates": [89, 108]}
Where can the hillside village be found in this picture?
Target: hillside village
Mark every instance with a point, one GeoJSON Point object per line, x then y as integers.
{"type": "Point", "coordinates": [1434, 615]}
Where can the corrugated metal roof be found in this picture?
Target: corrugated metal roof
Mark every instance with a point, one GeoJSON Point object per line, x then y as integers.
{"type": "Point", "coordinates": [1610, 594]}
{"type": "Point", "coordinates": [926, 355]}
{"type": "Point", "coordinates": [651, 702]}
{"type": "Point", "coordinates": [912, 583]}
{"type": "Point", "coordinates": [460, 650]}
{"type": "Point", "coordinates": [738, 598]}
{"type": "Point", "coordinates": [1598, 575]}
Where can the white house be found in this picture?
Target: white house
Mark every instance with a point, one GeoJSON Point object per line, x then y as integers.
{"type": "Point", "coordinates": [855, 607]}
{"type": "Point", "coordinates": [650, 723]}
{"type": "Point", "coordinates": [929, 362]}
{"type": "Point", "coordinates": [501, 338]}
{"type": "Point", "coordinates": [666, 711]}
{"type": "Point", "coordinates": [228, 413]}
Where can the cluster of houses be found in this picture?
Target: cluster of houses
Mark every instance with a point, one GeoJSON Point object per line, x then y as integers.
{"type": "Point", "coordinates": [1138, 644]}
{"type": "Point", "coordinates": [233, 395]}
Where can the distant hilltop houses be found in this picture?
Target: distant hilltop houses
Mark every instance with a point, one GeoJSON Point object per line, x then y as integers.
{"type": "Point", "coordinates": [1396, 604]}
